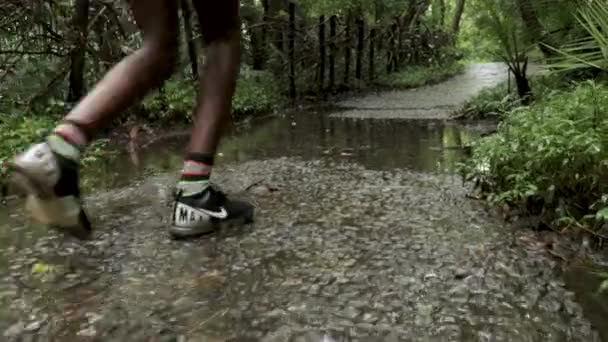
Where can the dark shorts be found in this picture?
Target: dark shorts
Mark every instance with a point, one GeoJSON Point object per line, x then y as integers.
{"type": "Point", "coordinates": [217, 17]}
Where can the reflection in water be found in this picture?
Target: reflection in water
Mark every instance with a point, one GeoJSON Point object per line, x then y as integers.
{"type": "Point", "coordinates": [430, 146]}
{"type": "Point", "coordinates": [377, 144]}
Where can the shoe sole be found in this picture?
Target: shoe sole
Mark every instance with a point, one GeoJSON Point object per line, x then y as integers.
{"type": "Point", "coordinates": [179, 233]}
{"type": "Point", "coordinates": [38, 197]}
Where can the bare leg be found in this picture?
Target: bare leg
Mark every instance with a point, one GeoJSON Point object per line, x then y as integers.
{"type": "Point", "coordinates": [201, 207]}
{"type": "Point", "coordinates": [138, 73]}
{"type": "Point", "coordinates": [50, 170]}
{"type": "Point", "coordinates": [221, 27]}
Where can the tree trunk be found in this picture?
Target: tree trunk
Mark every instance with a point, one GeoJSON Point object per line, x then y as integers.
{"type": "Point", "coordinates": [321, 52]}
{"type": "Point", "coordinates": [80, 23]}
{"type": "Point", "coordinates": [442, 14]}
{"type": "Point", "coordinates": [265, 26]}
{"type": "Point", "coordinates": [251, 18]}
{"type": "Point", "coordinates": [535, 28]}
{"type": "Point", "coordinates": [523, 88]}
{"type": "Point", "coordinates": [332, 51]}
{"type": "Point", "coordinates": [359, 58]}
{"type": "Point", "coordinates": [292, 47]}
{"type": "Point", "coordinates": [457, 16]}
{"type": "Point", "coordinates": [519, 70]}
{"type": "Point", "coordinates": [398, 52]}
{"type": "Point", "coordinates": [390, 63]}
{"type": "Point", "coordinates": [347, 50]}
{"type": "Point", "coordinates": [187, 14]}
{"type": "Point", "coordinates": [274, 8]}
{"type": "Point", "coordinates": [372, 38]}
{"type": "Point", "coordinates": [265, 23]}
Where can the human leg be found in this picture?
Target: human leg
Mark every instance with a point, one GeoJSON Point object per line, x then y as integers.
{"type": "Point", "coordinates": [200, 207]}
{"type": "Point", "coordinates": [48, 172]}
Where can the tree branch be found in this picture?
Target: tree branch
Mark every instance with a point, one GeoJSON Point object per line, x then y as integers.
{"type": "Point", "coordinates": [25, 52]}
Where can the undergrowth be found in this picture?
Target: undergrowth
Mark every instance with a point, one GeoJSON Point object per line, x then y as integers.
{"type": "Point", "coordinates": [18, 132]}
{"type": "Point", "coordinates": [550, 159]}
{"type": "Point", "coordinates": [417, 76]}
{"type": "Point", "coordinates": [256, 92]}
{"type": "Point", "coordinates": [495, 102]}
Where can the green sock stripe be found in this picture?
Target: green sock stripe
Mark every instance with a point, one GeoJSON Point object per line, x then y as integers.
{"type": "Point", "coordinates": [189, 187]}
{"type": "Point", "coordinates": [60, 146]}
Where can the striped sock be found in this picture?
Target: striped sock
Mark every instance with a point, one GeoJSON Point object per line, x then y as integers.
{"type": "Point", "coordinates": [68, 141]}
{"type": "Point", "coordinates": [196, 173]}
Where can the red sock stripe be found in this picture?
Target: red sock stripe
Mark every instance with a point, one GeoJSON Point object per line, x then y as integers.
{"type": "Point", "coordinates": [198, 163]}
{"type": "Point", "coordinates": [201, 174]}
{"type": "Point", "coordinates": [66, 137]}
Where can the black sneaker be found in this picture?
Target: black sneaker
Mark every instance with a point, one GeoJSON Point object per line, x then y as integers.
{"type": "Point", "coordinates": [50, 183]}
{"type": "Point", "coordinates": [204, 212]}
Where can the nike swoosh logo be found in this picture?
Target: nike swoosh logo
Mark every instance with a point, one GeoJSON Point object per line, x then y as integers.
{"type": "Point", "coordinates": [222, 214]}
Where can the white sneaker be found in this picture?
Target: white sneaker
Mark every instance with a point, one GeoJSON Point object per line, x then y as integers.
{"type": "Point", "coordinates": [50, 183]}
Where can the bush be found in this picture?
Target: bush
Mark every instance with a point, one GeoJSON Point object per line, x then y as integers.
{"type": "Point", "coordinates": [495, 102]}
{"type": "Point", "coordinates": [17, 132]}
{"type": "Point", "coordinates": [417, 76]}
{"type": "Point", "coordinates": [550, 159]}
{"type": "Point", "coordinates": [256, 92]}
{"type": "Point", "coordinates": [491, 102]}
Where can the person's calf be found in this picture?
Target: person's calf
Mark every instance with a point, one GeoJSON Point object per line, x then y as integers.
{"type": "Point", "coordinates": [160, 58]}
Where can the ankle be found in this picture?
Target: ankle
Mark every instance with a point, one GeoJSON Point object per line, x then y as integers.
{"type": "Point", "coordinates": [63, 148]}
{"type": "Point", "coordinates": [72, 134]}
{"type": "Point", "coordinates": [195, 173]}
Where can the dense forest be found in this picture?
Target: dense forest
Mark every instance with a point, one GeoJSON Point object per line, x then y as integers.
{"type": "Point", "coordinates": [58, 49]}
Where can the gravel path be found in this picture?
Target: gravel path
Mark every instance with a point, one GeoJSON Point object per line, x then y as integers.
{"type": "Point", "coordinates": [431, 102]}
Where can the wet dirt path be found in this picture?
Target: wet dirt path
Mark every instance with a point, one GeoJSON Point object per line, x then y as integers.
{"type": "Point", "coordinates": [363, 233]}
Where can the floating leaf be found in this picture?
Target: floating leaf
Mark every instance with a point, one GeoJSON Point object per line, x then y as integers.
{"type": "Point", "coordinates": [603, 287]}
{"type": "Point", "coordinates": [602, 215]}
{"type": "Point", "coordinates": [41, 268]}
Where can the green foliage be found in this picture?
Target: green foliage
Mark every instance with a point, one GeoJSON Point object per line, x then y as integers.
{"type": "Point", "coordinates": [256, 92]}
{"type": "Point", "coordinates": [507, 32]}
{"type": "Point", "coordinates": [604, 285]}
{"type": "Point", "coordinates": [416, 76]}
{"type": "Point", "coordinates": [172, 103]}
{"type": "Point", "coordinates": [477, 44]}
{"type": "Point", "coordinates": [550, 159]}
{"type": "Point", "coordinates": [18, 132]}
{"type": "Point", "coordinates": [498, 101]}
{"type": "Point", "coordinates": [493, 29]}
{"type": "Point", "coordinates": [492, 102]}
{"type": "Point", "coordinates": [590, 51]}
